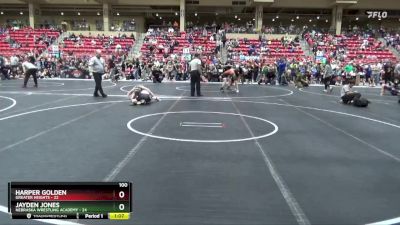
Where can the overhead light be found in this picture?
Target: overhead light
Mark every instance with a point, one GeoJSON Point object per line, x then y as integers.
{"type": "Point", "coordinates": [62, 13]}
{"type": "Point", "coordinates": [317, 17]}
{"type": "Point", "coordinates": [239, 19]}
{"type": "Point", "coordinates": [117, 13]}
{"type": "Point", "coordinates": [310, 20]}
{"type": "Point", "coordinates": [160, 18]}
{"type": "Point", "coordinates": [277, 16]}
{"type": "Point", "coordinates": [326, 21]}
{"type": "Point", "coordinates": [176, 13]}
{"type": "Point", "coordinates": [255, 19]}
{"type": "Point", "coordinates": [79, 13]}
{"type": "Point", "coordinates": [273, 20]}
{"type": "Point", "coordinates": [195, 14]}
{"type": "Point", "coordinates": [292, 20]}
{"type": "Point", "coordinates": [297, 17]}
{"type": "Point", "coordinates": [98, 13]}
{"type": "Point", "coordinates": [235, 16]}
{"type": "Point", "coordinates": [357, 18]}
{"type": "Point", "coordinates": [216, 14]}
{"type": "Point", "coordinates": [22, 13]}
{"type": "Point", "coordinates": [157, 14]}
{"type": "Point", "coordinates": [379, 19]}
{"type": "Point", "coordinates": [1, 13]}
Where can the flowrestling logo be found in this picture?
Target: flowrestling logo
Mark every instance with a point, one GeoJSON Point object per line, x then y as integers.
{"type": "Point", "coordinates": [376, 14]}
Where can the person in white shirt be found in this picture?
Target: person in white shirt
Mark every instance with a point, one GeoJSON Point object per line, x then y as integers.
{"type": "Point", "coordinates": [96, 69]}
{"type": "Point", "coordinates": [29, 69]}
{"type": "Point", "coordinates": [14, 63]}
{"type": "Point", "coordinates": [195, 75]}
{"type": "Point", "coordinates": [347, 94]}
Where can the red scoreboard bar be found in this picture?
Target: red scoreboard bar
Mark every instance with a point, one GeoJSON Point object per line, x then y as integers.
{"type": "Point", "coordinates": [70, 200]}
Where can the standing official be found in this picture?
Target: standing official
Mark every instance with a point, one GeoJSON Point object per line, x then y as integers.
{"type": "Point", "coordinates": [29, 69]}
{"type": "Point", "coordinates": [195, 75]}
{"type": "Point", "coordinates": [328, 74]}
{"type": "Point", "coordinates": [96, 69]}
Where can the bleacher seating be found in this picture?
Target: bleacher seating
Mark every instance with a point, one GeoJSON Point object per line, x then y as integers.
{"type": "Point", "coordinates": [374, 52]}
{"type": "Point", "coordinates": [207, 45]}
{"type": "Point", "coordinates": [276, 50]}
{"type": "Point", "coordinates": [88, 48]}
{"type": "Point", "coordinates": [26, 39]}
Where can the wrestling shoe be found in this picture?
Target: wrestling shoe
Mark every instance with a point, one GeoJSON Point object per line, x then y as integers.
{"type": "Point", "coordinates": [330, 89]}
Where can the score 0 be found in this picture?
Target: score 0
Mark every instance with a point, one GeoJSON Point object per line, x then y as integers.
{"type": "Point", "coordinates": [122, 193]}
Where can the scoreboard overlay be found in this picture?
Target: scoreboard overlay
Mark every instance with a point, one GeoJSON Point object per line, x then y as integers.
{"type": "Point", "coordinates": [70, 200]}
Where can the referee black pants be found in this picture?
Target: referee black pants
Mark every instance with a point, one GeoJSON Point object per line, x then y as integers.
{"type": "Point", "coordinates": [327, 82]}
{"type": "Point", "coordinates": [28, 74]}
{"type": "Point", "coordinates": [195, 82]}
{"type": "Point", "coordinates": [98, 87]}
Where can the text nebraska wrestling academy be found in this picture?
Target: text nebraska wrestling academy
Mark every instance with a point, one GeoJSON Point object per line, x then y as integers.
{"type": "Point", "coordinates": [33, 207]}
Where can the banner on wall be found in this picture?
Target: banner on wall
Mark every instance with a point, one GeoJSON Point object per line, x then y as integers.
{"type": "Point", "coordinates": [55, 50]}
{"type": "Point", "coordinates": [376, 14]}
{"type": "Point", "coordinates": [245, 57]}
{"type": "Point", "coordinates": [186, 50]}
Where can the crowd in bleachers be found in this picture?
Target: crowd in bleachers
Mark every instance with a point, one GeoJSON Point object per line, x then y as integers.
{"type": "Point", "coordinates": [264, 48]}
{"type": "Point", "coordinates": [250, 28]}
{"type": "Point", "coordinates": [360, 48]}
{"type": "Point", "coordinates": [171, 43]}
{"type": "Point", "coordinates": [393, 40]}
{"type": "Point", "coordinates": [79, 45]}
{"type": "Point", "coordinates": [366, 55]}
{"type": "Point", "coordinates": [291, 29]}
{"type": "Point", "coordinates": [278, 61]}
{"type": "Point", "coordinates": [73, 53]}
{"type": "Point", "coordinates": [166, 52]}
{"type": "Point", "coordinates": [21, 41]}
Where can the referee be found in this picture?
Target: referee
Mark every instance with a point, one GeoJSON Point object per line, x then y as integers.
{"type": "Point", "coordinates": [96, 68]}
{"type": "Point", "coordinates": [195, 72]}
{"type": "Point", "coordinates": [29, 69]}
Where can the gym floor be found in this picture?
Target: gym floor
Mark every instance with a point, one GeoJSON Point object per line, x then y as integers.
{"type": "Point", "coordinates": [266, 155]}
